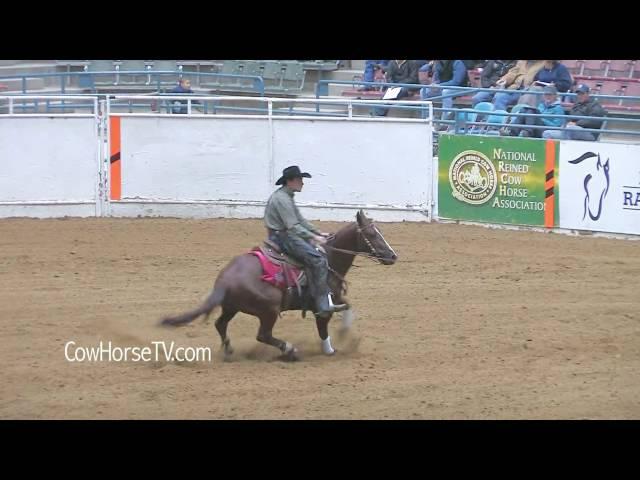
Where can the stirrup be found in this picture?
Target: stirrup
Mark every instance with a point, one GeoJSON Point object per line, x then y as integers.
{"type": "Point", "coordinates": [337, 308]}
{"type": "Point", "coordinates": [332, 308]}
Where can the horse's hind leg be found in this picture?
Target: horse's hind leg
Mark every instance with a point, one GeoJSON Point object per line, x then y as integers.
{"type": "Point", "coordinates": [267, 321]}
{"type": "Point", "coordinates": [221, 325]}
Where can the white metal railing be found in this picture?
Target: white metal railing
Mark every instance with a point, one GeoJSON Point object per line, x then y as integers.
{"type": "Point", "coordinates": [36, 101]}
{"type": "Point", "coordinates": [270, 103]}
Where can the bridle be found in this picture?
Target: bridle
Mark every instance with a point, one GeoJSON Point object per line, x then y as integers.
{"type": "Point", "coordinates": [372, 254]}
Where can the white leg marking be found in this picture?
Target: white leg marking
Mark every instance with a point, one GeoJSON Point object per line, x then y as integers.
{"type": "Point", "coordinates": [327, 349]}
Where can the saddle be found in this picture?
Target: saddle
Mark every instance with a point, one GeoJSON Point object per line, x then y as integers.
{"type": "Point", "coordinates": [281, 270]}
{"type": "Point", "coordinates": [273, 252]}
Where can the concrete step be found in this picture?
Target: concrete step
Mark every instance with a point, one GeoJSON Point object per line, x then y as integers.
{"type": "Point", "coordinates": [26, 69]}
{"type": "Point", "coordinates": [358, 65]}
{"type": "Point", "coordinates": [343, 75]}
{"type": "Point", "coordinates": [29, 69]}
{"type": "Point", "coordinates": [15, 85]}
{"type": "Point", "coordinates": [336, 90]}
{"type": "Point", "coordinates": [22, 62]}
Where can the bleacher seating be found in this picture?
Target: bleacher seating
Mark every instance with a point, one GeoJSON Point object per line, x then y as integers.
{"type": "Point", "coordinates": [118, 76]}
{"type": "Point", "coordinates": [280, 77]}
{"type": "Point", "coordinates": [323, 65]}
{"type": "Point", "coordinates": [620, 68]}
{"type": "Point", "coordinates": [474, 81]}
{"type": "Point", "coordinates": [609, 77]}
{"type": "Point", "coordinates": [102, 79]}
{"type": "Point", "coordinates": [602, 69]}
{"type": "Point", "coordinates": [124, 66]}
{"type": "Point", "coordinates": [592, 67]}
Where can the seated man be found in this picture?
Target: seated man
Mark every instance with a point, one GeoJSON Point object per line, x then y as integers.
{"type": "Point", "coordinates": [519, 77]}
{"type": "Point", "coordinates": [552, 73]}
{"type": "Point", "coordinates": [184, 86]}
{"type": "Point", "coordinates": [585, 107]}
{"type": "Point", "coordinates": [371, 68]}
{"type": "Point", "coordinates": [492, 71]}
{"type": "Point", "coordinates": [549, 105]}
{"type": "Point", "coordinates": [446, 73]}
{"type": "Point", "coordinates": [400, 71]}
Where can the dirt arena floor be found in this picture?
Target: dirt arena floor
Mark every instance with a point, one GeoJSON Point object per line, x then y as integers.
{"type": "Point", "coordinates": [471, 323]}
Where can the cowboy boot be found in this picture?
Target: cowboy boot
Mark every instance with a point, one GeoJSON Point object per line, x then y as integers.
{"type": "Point", "coordinates": [324, 303]}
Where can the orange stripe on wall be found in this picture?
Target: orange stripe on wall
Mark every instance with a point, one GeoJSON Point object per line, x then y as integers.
{"type": "Point", "coordinates": [549, 184]}
{"type": "Point", "coordinates": [115, 173]}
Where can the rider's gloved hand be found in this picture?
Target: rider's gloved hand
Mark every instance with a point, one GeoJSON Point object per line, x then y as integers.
{"type": "Point", "coordinates": [319, 240]}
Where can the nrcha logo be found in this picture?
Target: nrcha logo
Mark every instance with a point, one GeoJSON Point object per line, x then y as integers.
{"type": "Point", "coordinates": [472, 177]}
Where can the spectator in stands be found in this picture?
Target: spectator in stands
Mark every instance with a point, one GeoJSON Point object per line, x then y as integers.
{"type": "Point", "coordinates": [517, 78]}
{"type": "Point", "coordinates": [472, 64]}
{"type": "Point", "coordinates": [371, 68]}
{"type": "Point", "coordinates": [520, 77]}
{"type": "Point", "coordinates": [492, 71]}
{"type": "Point", "coordinates": [183, 87]}
{"type": "Point", "coordinates": [400, 71]}
{"type": "Point", "coordinates": [552, 73]}
{"type": "Point", "coordinates": [446, 73]}
{"type": "Point", "coordinates": [585, 106]}
{"type": "Point", "coordinates": [555, 73]}
{"type": "Point", "coordinates": [550, 105]}
{"type": "Point", "coordinates": [425, 72]}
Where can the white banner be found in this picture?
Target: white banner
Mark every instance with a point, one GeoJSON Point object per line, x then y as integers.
{"type": "Point", "coordinates": [175, 158]}
{"type": "Point", "coordinates": [226, 166]}
{"type": "Point", "coordinates": [599, 186]}
{"type": "Point", "coordinates": [48, 159]}
{"type": "Point", "coordinates": [49, 166]}
{"type": "Point", "coordinates": [357, 163]}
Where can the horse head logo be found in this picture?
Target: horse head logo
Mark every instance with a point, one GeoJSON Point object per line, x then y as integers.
{"type": "Point", "coordinates": [597, 183]}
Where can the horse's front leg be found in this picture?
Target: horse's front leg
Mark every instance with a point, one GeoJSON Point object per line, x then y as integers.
{"type": "Point", "coordinates": [347, 316]}
{"type": "Point", "coordinates": [322, 323]}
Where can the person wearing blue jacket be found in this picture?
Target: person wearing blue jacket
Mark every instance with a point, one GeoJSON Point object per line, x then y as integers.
{"type": "Point", "coordinates": [555, 73]}
{"type": "Point", "coordinates": [550, 105]}
{"type": "Point", "coordinates": [370, 68]}
{"type": "Point", "coordinates": [183, 87]}
{"type": "Point", "coordinates": [446, 73]}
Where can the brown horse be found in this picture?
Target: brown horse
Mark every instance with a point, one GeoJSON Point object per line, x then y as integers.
{"type": "Point", "coordinates": [239, 287]}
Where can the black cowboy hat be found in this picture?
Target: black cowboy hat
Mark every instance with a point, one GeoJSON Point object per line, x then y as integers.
{"type": "Point", "coordinates": [291, 172]}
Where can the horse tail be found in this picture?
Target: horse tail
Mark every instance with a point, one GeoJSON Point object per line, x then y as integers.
{"type": "Point", "coordinates": [213, 300]}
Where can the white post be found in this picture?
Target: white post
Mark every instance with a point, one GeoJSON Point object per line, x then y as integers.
{"type": "Point", "coordinates": [106, 170]}
{"type": "Point", "coordinates": [271, 174]}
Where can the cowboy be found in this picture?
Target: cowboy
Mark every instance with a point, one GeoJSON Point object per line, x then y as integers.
{"type": "Point", "coordinates": [299, 238]}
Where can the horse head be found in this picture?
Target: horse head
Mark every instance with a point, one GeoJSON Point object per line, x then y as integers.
{"type": "Point", "coordinates": [371, 241]}
{"type": "Point", "coordinates": [596, 185]}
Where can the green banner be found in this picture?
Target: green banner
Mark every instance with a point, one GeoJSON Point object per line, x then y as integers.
{"type": "Point", "coordinates": [495, 180]}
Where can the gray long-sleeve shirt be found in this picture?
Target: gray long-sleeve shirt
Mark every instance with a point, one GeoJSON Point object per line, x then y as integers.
{"type": "Point", "coordinates": [282, 214]}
